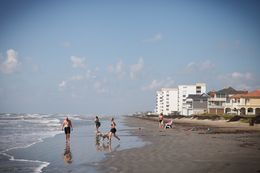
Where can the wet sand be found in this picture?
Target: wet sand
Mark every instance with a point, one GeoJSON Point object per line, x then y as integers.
{"type": "Point", "coordinates": [82, 154]}
{"type": "Point", "coordinates": [188, 147]}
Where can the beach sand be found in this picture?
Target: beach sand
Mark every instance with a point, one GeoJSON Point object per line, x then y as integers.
{"type": "Point", "coordinates": [187, 147]}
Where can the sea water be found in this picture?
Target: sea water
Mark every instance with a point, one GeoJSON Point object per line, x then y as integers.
{"type": "Point", "coordinates": [22, 131]}
{"type": "Point", "coordinates": [23, 135]}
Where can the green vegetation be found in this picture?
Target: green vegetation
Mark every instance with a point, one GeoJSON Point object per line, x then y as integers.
{"type": "Point", "coordinates": [227, 116]}
{"type": "Point", "coordinates": [245, 120]}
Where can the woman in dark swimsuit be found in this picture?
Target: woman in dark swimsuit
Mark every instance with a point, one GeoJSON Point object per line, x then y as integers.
{"type": "Point", "coordinates": [113, 130]}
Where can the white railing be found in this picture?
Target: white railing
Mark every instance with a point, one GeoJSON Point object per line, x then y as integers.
{"type": "Point", "coordinates": [231, 104]}
{"type": "Point", "coordinates": [215, 106]}
{"type": "Point", "coordinates": [217, 99]}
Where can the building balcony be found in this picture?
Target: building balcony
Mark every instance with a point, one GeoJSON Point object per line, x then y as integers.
{"type": "Point", "coordinates": [215, 106]}
{"type": "Point", "coordinates": [231, 104]}
{"type": "Point", "coordinates": [215, 99]}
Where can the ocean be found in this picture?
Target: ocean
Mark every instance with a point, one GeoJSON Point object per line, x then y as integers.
{"type": "Point", "coordinates": [36, 143]}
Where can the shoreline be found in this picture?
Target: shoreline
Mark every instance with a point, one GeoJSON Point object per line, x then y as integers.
{"type": "Point", "coordinates": [186, 147]}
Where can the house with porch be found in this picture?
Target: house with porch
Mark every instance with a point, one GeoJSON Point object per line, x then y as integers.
{"type": "Point", "coordinates": [244, 104]}
{"type": "Point", "coordinates": [218, 99]}
{"type": "Point", "coordinates": [196, 104]}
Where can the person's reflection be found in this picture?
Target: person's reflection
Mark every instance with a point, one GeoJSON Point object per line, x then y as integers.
{"type": "Point", "coordinates": [67, 154]}
{"type": "Point", "coordinates": [98, 143]}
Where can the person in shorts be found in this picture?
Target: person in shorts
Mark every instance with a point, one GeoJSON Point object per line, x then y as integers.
{"type": "Point", "coordinates": [67, 126]}
{"type": "Point", "coordinates": [97, 123]}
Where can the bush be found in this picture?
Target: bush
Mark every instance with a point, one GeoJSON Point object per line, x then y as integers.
{"type": "Point", "coordinates": [207, 116]}
{"type": "Point", "coordinates": [257, 119]}
{"type": "Point", "coordinates": [235, 118]}
{"type": "Point", "coordinates": [227, 116]}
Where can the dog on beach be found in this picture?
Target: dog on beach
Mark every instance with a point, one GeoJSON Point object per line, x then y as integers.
{"type": "Point", "coordinates": [102, 135]}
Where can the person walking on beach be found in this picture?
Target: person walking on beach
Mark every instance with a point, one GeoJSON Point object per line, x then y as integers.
{"type": "Point", "coordinates": [161, 123]}
{"type": "Point", "coordinates": [67, 125]}
{"type": "Point", "coordinates": [113, 130]}
{"type": "Point", "coordinates": [98, 124]}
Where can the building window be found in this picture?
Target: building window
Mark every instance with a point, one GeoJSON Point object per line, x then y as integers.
{"type": "Point", "coordinates": [250, 110]}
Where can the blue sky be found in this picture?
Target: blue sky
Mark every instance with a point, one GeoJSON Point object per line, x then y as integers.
{"type": "Point", "coordinates": [109, 57]}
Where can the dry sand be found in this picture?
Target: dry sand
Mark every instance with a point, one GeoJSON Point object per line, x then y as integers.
{"type": "Point", "coordinates": [188, 147]}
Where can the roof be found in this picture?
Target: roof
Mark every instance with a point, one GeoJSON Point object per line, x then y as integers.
{"type": "Point", "coordinates": [237, 96]}
{"type": "Point", "coordinates": [211, 93]}
{"type": "Point", "coordinates": [230, 90]}
{"type": "Point", "coordinates": [253, 94]}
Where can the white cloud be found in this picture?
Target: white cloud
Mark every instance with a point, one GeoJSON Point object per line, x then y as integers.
{"type": "Point", "coordinates": [239, 80]}
{"type": "Point", "coordinates": [241, 76]}
{"type": "Point", "coordinates": [90, 75]}
{"type": "Point", "coordinates": [157, 37]}
{"type": "Point", "coordinates": [207, 65]}
{"type": "Point", "coordinates": [199, 66]}
{"type": "Point", "coordinates": [136, 68]}
{"type": "Point", "coordinates": [77, 62]}
{"type": "Point", "coordinates": [62, 84]}
{"type": "Point", "coordinates": [10, 65]}
{"type": "Point", "coordinates": [99, 87]}
{"type": "Point", "coordinates": [157, 84]}
{"type": "Point", "coordinates": [118, 69]}
{"type": "Point", "coordinates": [237, 76]}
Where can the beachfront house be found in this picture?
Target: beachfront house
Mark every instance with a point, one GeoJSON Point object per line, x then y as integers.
{"type": "Point", "coordinates": [173, 100]}
{"type": "Point", "coordinates": [196, 104]}
{"type": "Point", "coordinates": [184, 91]}
{"type": "Point", "coordinates": [244, 104]}
{"type": "Point", "coordinates": [218, 99]}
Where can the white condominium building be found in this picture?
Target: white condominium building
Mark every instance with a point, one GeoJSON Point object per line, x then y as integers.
{"type": "Point", "coordinates": [167, 101]}
{"type": "Point", "coordinates": [173, 100]}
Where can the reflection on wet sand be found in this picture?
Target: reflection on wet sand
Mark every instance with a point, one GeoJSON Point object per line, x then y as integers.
{"type": "Point", "coordinates": [103, 145]}
{"type": "Point", "coordinates": [67, 154]}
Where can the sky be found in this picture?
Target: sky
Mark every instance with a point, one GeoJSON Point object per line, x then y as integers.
{"type": "Point", "coordinates": [110, 57]}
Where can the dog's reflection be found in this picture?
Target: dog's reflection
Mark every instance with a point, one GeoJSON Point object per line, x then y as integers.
{"type": "Point", "coordinates": [67, 156]}
{"type": "Point", "coordinates": [104, 145]}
